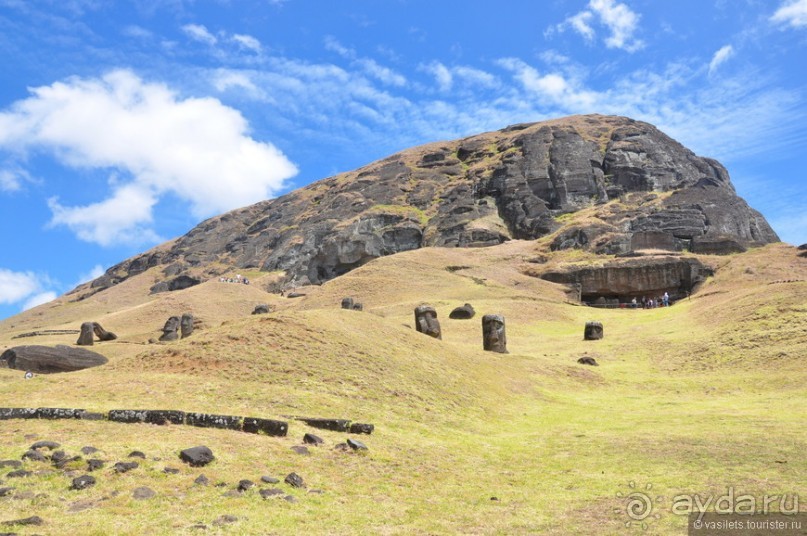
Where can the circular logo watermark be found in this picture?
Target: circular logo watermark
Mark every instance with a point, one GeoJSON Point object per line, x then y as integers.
{"type": "Point", "coordinates": [639, 506]}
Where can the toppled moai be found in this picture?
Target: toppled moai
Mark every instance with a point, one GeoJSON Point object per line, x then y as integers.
{"type": "Point", "coordinates": [170, 329]}
{"type": "Point", "coordinates": [494, 338]}
{"type": "Point", "coordinates": [593, 331]}
{"type": "Point", "coordinates": [90, 329]}
{"type": "Point", "coordinates": [426, 321]}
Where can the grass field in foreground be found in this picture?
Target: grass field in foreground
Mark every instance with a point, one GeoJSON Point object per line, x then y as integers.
{"type": "Point", "coordinates": [693, 399]}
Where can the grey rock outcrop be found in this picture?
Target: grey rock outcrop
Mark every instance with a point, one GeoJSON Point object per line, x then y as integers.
{"type": "Point", "coordinates": [477, 191]}
{"type": "Point", "coordinates": [50, 360]}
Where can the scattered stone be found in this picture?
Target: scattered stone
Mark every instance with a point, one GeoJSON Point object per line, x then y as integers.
{"type": "Point", "coordinates": [5, 492]}
{"type": "Point", "coordinates": [225, 520]}
{"type": "Point", "coordinates": [143, 493]}
{"type": "Point", "coordinates": [58, 456]}
{"type": "Point", "coordinates": [87, 336]}
{"type": "Point", "coordinates": [186, 325]}
{"type": "Point", "coordinates": [11, 463]}
{"type": "Point", "coordinates": [271, 492]}
{"type": "Point", "coordinates": [197, 456]}
{"type": "Point", "coordinates": [261, 309]}
{"type": "Point", "coordinates": [50, 445]}
{"type": "Point", "coordinates": [347, 303]}
{"type": "Point", "coordinates": [290, 498]}
{"type": "Point", "coordinates": [361, 428]}
{"type": "Point", "coordinates": [171, 471]}
{"type": "Point", "coordinates": [494, 338]}
{"type": "Point", "coordinates": [269, 480]}
{"type": "Point", "coordinates": [201, 480]}
{"type": "Point", "coordinates": [593, 331]}
{"type": "Point", "coordinates": [19, 473]}
{"type": "Point", "coordinates": [356, 445]}
{"type": "Point", "coordinates": [586, 360]}
{"type": "Point", "coordinates": [294, 480]}
{"type": "Point", "coordinates": [462, 313]}
{"type": "Point", "coordinates": [426, 321]}
{"type": "Point", "coordinates": [125, 467]}
{"type": "Point", "coordinates": [83, 482]}
{"type": "Point", "coordinates": [33, 520]}
{"type": "Point", "coordinates": [170, 329]}
{"type": "Point", "coordinates": [311, 439]}
{"type": "Point", "coordinates": [341, 447]}
{"type": "Point", "coordinates": [50, 360]}
{"type": "Point", "coordinates": [137, 454]}
{"type": "Point", "coordinates": [357, 306]}
{"type": "Point", "coordinates": [244, 485]}
{"type": "Point", "coordinates": [336, 425]}
{"type": "Point", "coordinates": [88, 450]}
{"type": "Point", "coordinates": [300, 450]}
{"type": "Point", "coordinates": [94, 465]}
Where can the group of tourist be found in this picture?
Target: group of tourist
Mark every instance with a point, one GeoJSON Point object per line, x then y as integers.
{"type": "Point", "coordinates": [236, 279]}
{"type": "Point", "coordinates": [651, 303]}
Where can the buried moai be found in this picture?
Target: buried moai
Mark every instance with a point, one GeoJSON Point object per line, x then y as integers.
{"type": "Point", "coordinates": [593, 331]}
{"type": "Point", "coordinates": [90, 329]}
{"type": "Point", "coordinates": [170, 329]}
{"type": "Point", "coordinates": [426, 321]}
{"type": "Point", "coordinates": [494, 338]}
{"type": "Point", "coordinates": [186, 325]}
{"type": "Point", "coordinates": [347, 303]}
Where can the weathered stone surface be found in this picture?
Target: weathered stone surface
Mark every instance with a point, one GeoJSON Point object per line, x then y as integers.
{"type": "Point", "coordinates": [125, 467]}
{"type": "Point", "coordinates": [311, 439]}
{"type": "Point", "coordinates": [244, 485]}
{"type": "Point", "coordinates": [186, 325]}
{"type": "Point", "coordinates": [480, 191]}
{"type": "Point", "coordinates": [347, 303]}
{"type": "Point", "coordinates": [137, 454]}
{"type": "Point", "coordinates": [337, 425]}
{"type": "Point", "coordinates": [209, 420]}
{"type": "Point", "coordinates": [356, 444]}
{"type": "Point", "coordinates": [102, 334]}
{"type": "Point", "coordinates": [361, 428]}
{"type": "Point", "coordinates": [494, 337]}
{"type": "Point", "coordinates": [269, 480]}
{"type": "Point", "coordinates": [49, 359]}
{"type": "Point", "coordinates": [162, 417]}
{"type": "Point", "coordinates": [271, 493]}
{"type": "Point", "coordinates": [83, 482]}
{"type": "Point", "coordinates": [127, 415]}
{"type": "Point", "coordinates": [143, 493]}
{"type": "Point", "coordinates": [358, 306]}
{"type": "Point", "coordinates": [426, 321]}
{"type": "Point", "coordinates": [586, 360]}
{"type": "Point", "coordinates": [178, 283]}
{"type": "Point", "coordinates": [261, 309]}
{"type": "Point", "coordinates": [463, 312]}
{"type": "Point", "coordinates": [11, 463]}
{"type": "Point", "coordinates": [197, 456]}
{"type": "Point", "coordinates": [17, 413]}
{"type": "Point", "coordinates": [19, 473]}
{"type": "Point", "coordinates": [34, 456]}
{"type": "Point", "coordinates": [6, 491]}
{"type": "Point", "coordinates": [58, 413]}
{"type": "Point", "coordinates": [95, 464]}
{"type": "Point", "coordinates": [87, 336]}
{"type": "Point", "coordinates": [270, 427]}
{"type": "Point", "coordinates": [170, 470]}
{"type": "Point", "coordinates": [294, 480]}
{"type": "Point", "coordinates": [299, 449]}
{"type": "Point", "coordinates": [170, 329]}
{"type": "Point", "coordinates": [201, 480]}
{"type": "Point", "coordinates": [50, 445]}
{"type": "Point", "coordinates": [88, 450]}
{"type": "Point", "coordinates": [593, 331]}
{"type": "Point", "coordinates": [28, 521]}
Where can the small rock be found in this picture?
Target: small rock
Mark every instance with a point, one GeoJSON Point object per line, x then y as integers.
{"type": "Point", "coordinates": [137, 454]}
{"type": "Point", "coordinates": [586, 360]}
{"type": "Point", "coordinates": [34, 456]}
{"type": "Point", "coordinates": [19, 473]}
{"type": "Point", "coordinates": [83, 482]}
{"type": "Point", "coordinates": [201, 480]}
{"type": "Point", "coordinates": [290, 498]}
{"type": "Point", "coordinates": [494, 498]}
{"type": "Point", "coordinates": [143, 493]}
{"type": "Point", "coordinates": [356, 445]}
{"type": "Point", "coordinates": [88, 450]}
{"type": "Point", "coordinates": [33, 520]}
{"type": "Point", "coordinates": [94, 465]}
{"type": "Point", "coordinates": [60, 464]}
{"type": "Point", "coordinates": [294, 480]}
{"type": "Point", "coordinates": [225, 520]}
{"type": "Point", "coordinates": [5, 492]}
{"type": "Point", "coordinates": [244, 485]}
{"type": "Point", "coordinates": [171, 471]}
{"type": "Point", "coordinates": [300, 450]}
{"type": "Point", "coordinates": [125, 467]}
{"type": "Point", "coordinates": [11, 463]}
{"type": "Point", "coordinates": [312, 439]}
{"type": "Point", "coordinates": [232, 493]}
{"type": "Point", "coordinates": [341, 447]}
{"type": "Point", "coordinates": [58, 456]}
{"type": "Point", "coordinates": [269, 480]}
{"type": "Point", "coordinates": [197, 456]}
{"type": "Point", "coordinates": [361, 428]}
{"type": "Point", "coordinates": [50, 445]}
{"type": "Point", "coordinates": [271, 492]}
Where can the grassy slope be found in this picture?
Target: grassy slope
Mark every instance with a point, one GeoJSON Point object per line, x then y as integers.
{"type": "Point", "coordinates": [691, 399]}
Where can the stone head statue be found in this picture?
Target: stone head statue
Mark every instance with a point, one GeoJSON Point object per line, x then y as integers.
{"type": "Point", "coordinates": [494, 338]}
{"type": "Point", "coordinates": [426, 321]}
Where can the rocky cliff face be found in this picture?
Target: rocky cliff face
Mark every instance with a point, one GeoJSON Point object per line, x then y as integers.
{"type": "Point", "coordinates": [639, 189]}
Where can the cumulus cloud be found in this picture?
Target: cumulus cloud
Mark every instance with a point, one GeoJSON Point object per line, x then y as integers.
{"type": "Point", "coordinates": [721, 56]}
{"type": "Point", "coordinates": [791, 13]}
{"type": "Point", "coordinates": [198, 32]}
{"type": "Point", "coordinates": [194, 148]}
{"type": "Point", "coordinates": [16, 286]}
{"type": "Point", "coordinates": [11, 179]}
{"type": "Point", "coordinates": [94, 273]}
{"type": "Point", "coordinates": [619, 19]}
{"type": "Point", "coordinates": [248, 42]}
{"type": "Point", "coordinates": [39, 299]}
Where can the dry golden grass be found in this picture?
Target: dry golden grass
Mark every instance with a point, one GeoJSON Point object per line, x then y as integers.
{"type": "Point", "coordinates": [693, 398]}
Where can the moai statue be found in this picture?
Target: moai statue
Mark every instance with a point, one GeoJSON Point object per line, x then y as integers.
{"type": "Point", "coordinates": [170, 329]}
{"type": "Point", "coordinates": [102, 334]}
{"type": "Point", "coordinates": [593, 331]}
{"type": "Point", "coordinates": [357, 306]}
{"type": "Point", "coordinates": [347, 303]}
{"type": "Point", "coordinates": [426, 321]}
{"type": "Point", "coordinates": [186, 325]}
{"type": "Point", "coordinates": [494, 338]}
{"type": "Point", "coordinates": [86, 337]}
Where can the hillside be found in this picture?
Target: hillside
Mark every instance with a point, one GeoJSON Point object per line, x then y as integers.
{"type": "Point", "coordinates": [693, 398]}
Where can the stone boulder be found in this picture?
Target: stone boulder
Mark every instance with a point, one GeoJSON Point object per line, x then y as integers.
{"type": "Point", "coordinates": [463, 312]}
{"type": "Point", "coordinates": [50, 360]}
{"type": "Point", "coordinates": [590, 361]}
{"type": "Point", "coordinates": [261, 309]}
{"type": "Point", "coordinates": [197, 456]}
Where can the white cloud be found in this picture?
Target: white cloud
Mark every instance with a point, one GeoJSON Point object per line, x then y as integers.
{"type": "Point", "coordinates": [16, 286]}
{"type": "Point", "coordinates": [198, 32]}
{"type": "Point", "coordinates": [248, 42]}
{"type": "Point", "coordinates": [94, 273]}
{"type": "Point", "coordinates": [721, 56]}
{"type": "Point", "coordinates": [39, 299]}
{"type": "Point", "coordinates": [442, 75]}
{"type": "Point", "coordinates": [381, 73]}
{"type": "Point", "coordinates": [619, 19]}
{"type": "Point", "coordinates": [195, 148]}
{"type": "Point", "coordinates": [792, 13]}
{"type": "Point", "coordinates": [10, 180]}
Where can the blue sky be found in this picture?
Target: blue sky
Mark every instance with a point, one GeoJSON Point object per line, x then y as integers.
{"type": "Point", "coordinates": [123, 124]}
